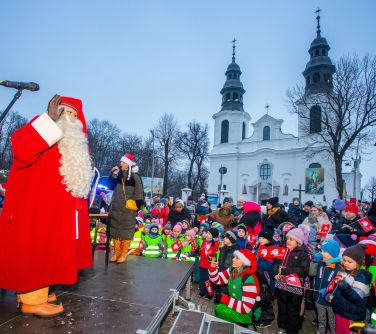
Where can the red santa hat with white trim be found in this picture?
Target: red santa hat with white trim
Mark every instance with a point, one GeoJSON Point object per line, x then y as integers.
{"type": "Point", "coordinates": [248, 259]}
{"type": "Point", "coordinates": [129, 159]}
{"type": "Point", "coordinates": [76, 105]}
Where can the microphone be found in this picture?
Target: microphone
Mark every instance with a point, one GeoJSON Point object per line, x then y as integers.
{"type": "Point", "coordinates": [32, 86]}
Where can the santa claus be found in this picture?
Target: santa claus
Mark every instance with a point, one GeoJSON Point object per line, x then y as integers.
{"type": "Point", "coordinates": [45, 230]}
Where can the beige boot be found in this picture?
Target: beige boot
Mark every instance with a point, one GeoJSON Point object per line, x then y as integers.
{"type": "Point", "coordinates": [117, 250]}
{"type": "Point", "coordinates": [124, 251]}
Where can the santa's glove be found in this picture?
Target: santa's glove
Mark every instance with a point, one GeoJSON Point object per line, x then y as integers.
{"type": "Point", "coordinates": [53, 109]}
{"type": "Point", "coordinates": [217, 298]}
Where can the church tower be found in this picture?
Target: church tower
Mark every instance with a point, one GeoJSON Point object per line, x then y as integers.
{"type": "Point", "coordinates": [231, 122]}
{"type": "Point", "coordinates": [318, 76]}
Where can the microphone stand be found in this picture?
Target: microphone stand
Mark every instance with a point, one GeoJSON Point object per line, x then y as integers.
{"type": "Point", "coordinates": [10, 105]}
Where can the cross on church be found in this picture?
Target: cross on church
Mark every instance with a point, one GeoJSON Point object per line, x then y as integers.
{"type": "Point", "coordinates": [318, 10]}
{"type": "Point", "coordinates": [233, 49]}
{"type": "Point", "coordinates": [300, 190]}
{"type": "Point", "coordinates": [267, 108]}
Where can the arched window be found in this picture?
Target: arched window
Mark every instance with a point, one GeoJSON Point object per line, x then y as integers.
{"type": "Point", "coordinates": [266, 133]}
{"type": "Point", "coordinates": [316, 77]}
{"type": "Point", "coordinates": [235, 96]}
{"type": "Point", "coordinates": [265, 171]}
{"type": "Point", "coordinates": [314, 165]}
{"type": "Point", "coordinates": [243, 131]}
{"type": "Point", "coordinates": [244, 189]}
{"type": "Point", "coordinates": [315, 119]}
{"type": "Point", "coordinates": [285, 190]}
{"type": "Point", "coordinates": [224, 131]}
{"type": "Point", "coordinates": [228, 97]}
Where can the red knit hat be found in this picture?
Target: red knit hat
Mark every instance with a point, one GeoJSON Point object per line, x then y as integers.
{"type": "Point", "coordinates": [352, 208]}
{"type": "Point", "coordinates": [251, 206]}
{"type": "Point", "coordinates": [248, 258]}
{"type": "Point", "coordinates": [75, 104]}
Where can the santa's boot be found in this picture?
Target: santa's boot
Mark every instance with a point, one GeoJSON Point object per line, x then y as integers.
{"type": "Point", "coordinates": [124, 251]}
{"type": "Point", "coordinates": [35, 303]}
{"type": "Point", "coordinates": [117, 250]}
{"type": "Point", "coordinates": [50, 299]}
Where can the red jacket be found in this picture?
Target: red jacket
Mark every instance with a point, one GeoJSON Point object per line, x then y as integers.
{"type": "Point", "coordinates": [41, 244]}
{"type": "Point", "coordinates": [161, 213]}
{"type": "Point", "coordinates": [207, 250]}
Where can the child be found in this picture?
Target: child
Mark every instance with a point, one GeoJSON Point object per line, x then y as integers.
{"type": "Point", "coordinates": [295, 211]}
{"type": "Point", "coordinates": [349, 297]}
{"type": "Point", "coordinates": [135, 243]}
{"type": "Point", "coordinates": [153, 244]}
{"type": "Point", "coordinates": [208, 250]}
{"type": "Point", "coordinates": [326, 271]}
{"type": "Point", "coordinates": [227, 251]}
{"type": "Point", "coordinates": [242, 240]}
{"type": "Point", "coordinates": [174, 236]}
{"type": "Point", "coordinates": [185, 226]}
{"type": "Point", "coordinates": [187, 253]}
{"type": "Point", "coordinates": [166, 232]}
{"type": "Point", "coordinates": [296, 262]}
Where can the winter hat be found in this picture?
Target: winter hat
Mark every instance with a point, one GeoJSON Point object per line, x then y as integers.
{"type": "Point", "coordinates": [242, 227]}
{"type": "Point", "coordinates": [76, 105]}
{"type": "Point", "coordinates": [352, 208]}
{"type": "Point", "coordinates": [273, 201]}
{"type": "Point", "coordinates": [205, 225]}
{"type": "Point", "coordinates": [221, 230]}
{"type": "Point", "coordinates": [332, 247]}
{"type": "Point", "coordinates": [309, 203]}
{"type": "Point", "coordinates": [167, 227]}
{"type": "Point", "coordinates": [214, 232]}
{"type": "Point", "coordinates": [356, 252]}
{"type": "Point", "coordinates": [247, 257]}
{"type": "Point", "coordinates": [231, 236]}
{"type": "Point", "coordinates": [153, 225]}
{"type": "Point", "coordinates": [226, 200]}
{"type": "Point", "coordinates": [267, 232]}
{"type": "Point", "coordinates": [202, 208]}
{"type": "Point", "coordinates": [191, 232]}
{"type": "Point", "coordinates": [251, 206]}
{"type": "Point", "coordinates": [179, 201]}
{"type": "Point", "coordinates": [129, 159]}
{"type": "Point", "coordinates": [177, 228]}
{"type": "Point", "coordinates": [156, 199]}
{"type": "Point", "coordinates": [339, 205]}
{"type": "Point", "coordinates": [216, 225]}
{"type": "Point", "coordinates": [296, 234]}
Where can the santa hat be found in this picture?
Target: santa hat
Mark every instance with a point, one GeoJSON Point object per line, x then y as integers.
{"type": "Point", "coordinates": [251, 206]}
{"type": "Point", "coordinates": [129, 159]}
{"type": "Point", "coordinates": [247, 257]}
{"type": "Point", "coordinates": [352, 208]}
{"type": "Point", "coordinates": [76, 105]}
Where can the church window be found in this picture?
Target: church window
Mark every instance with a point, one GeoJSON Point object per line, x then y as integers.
{"type": "Point", "coordinates": [286, 190]}
{"type": "Point", "coordinates": [308, 80]}
{"type": "Point", "coordinates": [244, 189]}
{"type": "Point", "coordinates": [316, 77]}
{"type": "Point", "coordinates": [314, 165]}
{"type": "Point", "coordinates": [323, 52]}
{"type": "Point", "coordinates": [327, 77]}
{"type": "Point", "coordinates": [315, 119]}
{"type": "Point", "coordinates": [265, 171]}
{"type": "Point", "coordinates": [243, 130]}
{"type": "Point", "coordinates": [228, 97]}
{"type": "Point", "coordinates": [235, 96]}
{"type": "Point", "coordinates": [224, 131]}
{"type": "Point", "coordinates": [316, 52]}
{"type": "Point", "coordinates": [266, 133]}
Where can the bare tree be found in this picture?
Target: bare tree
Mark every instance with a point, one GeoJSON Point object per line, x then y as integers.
{"type": "Point", "coordinates": [10, 124]}
{"type": "Point", "coordinates": [371, 188]}
{"type": "Point", "coordinates": [348, 112]}
{"type": "Point", "coordinates": [194, 145]}
{"type": "Point", "coordinates": [166, 134]}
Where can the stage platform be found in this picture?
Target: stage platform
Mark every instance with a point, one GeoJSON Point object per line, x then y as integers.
{"type": "Point", "coordinates": [125, 298]}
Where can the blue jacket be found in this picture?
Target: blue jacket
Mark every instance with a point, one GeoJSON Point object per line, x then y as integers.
{"type": "Point", "coordinates": [243, 243]}
{"type": "Point", "coordinates": [350, 297]}
{"type": "Point", "coordinates": [325, 274]}
{"type": "Point", "coordinates": [295, 212]}
{"type": "Point", "coordinates": [266, 268]}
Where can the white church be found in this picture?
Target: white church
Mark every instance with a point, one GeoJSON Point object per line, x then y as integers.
{"type": "Point", "coordinates": [259, 160]}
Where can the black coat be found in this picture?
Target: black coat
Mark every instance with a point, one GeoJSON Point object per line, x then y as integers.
{"type": "Point", "coordinates": [278, 218]}
{"type": "Point", "coordinates": [296, 262]}
{"type": "Point", "coordinates": [250, 219]}
{"type": "Point", "coordinates": [176, 217]}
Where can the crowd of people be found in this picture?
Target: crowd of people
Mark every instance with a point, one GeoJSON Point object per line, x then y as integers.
{"type": "Point", "coordinates": [305, 257]}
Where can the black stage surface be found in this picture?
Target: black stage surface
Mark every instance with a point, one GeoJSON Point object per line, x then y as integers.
{"type": "Point", "coordinates": [122, 299]}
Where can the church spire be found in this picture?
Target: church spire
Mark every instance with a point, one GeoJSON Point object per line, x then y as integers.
{"type": "Point", "coordinates": [232, 91]}
{"type": "Point", "coordinates": [319, 70]}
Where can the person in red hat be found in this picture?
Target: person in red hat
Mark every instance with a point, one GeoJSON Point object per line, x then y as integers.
{"type": "Point", "coordinates": [44, 225]}
{"type": "Point", "coordinates": [127, 199]}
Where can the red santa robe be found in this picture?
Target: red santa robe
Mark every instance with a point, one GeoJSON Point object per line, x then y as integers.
{"type": "Point", "coordinates": [44, 230]}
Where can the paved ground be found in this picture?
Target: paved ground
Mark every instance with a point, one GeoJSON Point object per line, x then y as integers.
{"type": "Point", "coordinates": [208, 307]}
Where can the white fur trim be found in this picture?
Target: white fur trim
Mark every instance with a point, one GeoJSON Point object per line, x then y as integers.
{"type": "Point", "coordinates": [243, 258]}
{"type": "Point", "coordinates": [135, 169]}
{"type": "Point", "coordinates": [47, 129]}
{"type": "Point", "coordinates": [127, 161]}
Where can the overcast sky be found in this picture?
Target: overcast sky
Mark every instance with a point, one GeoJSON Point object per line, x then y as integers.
{"type": "Point", "coordinates": [132, 61]}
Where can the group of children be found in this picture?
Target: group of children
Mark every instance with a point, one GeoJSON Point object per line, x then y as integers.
{"type": "Point", "coordinates": [274, 264]}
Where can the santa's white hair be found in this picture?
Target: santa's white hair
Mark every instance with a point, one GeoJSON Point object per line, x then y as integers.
{"type": "Point", "coordinates": [75, 168]}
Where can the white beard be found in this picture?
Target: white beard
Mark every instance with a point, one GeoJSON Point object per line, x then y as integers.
{"type": "Point", "coordinates": [75, 160]}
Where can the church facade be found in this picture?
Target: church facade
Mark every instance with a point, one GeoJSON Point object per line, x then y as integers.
{"type": "Point", "coordinates": [268, 162]}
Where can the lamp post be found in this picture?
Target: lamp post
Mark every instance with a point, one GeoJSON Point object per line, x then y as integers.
{"type": "Point", "coordinates": [152, 167]}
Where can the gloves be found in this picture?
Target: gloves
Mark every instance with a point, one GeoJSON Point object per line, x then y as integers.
{"type": "Point", "coordinates": [322, 292]}
{"type": "Point", "coordinates": [217, 298]}
{"type": "Point", "coordinates": [317, 257]}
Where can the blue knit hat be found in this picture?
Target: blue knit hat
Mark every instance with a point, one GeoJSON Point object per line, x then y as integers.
{"type": "Point", "coordinates": [332, 247]}
{"type": "Point", "coordinates": [339, 205]}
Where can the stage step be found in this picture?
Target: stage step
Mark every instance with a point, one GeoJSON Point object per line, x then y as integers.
{"type": "Point", "coordinates": [216, 327]}
{"type": "Point", "coordinates": [188, 322]}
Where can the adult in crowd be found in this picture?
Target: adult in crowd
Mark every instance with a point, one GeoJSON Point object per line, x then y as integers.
{"type": "Point", "coordinates": [44, 226]}
{"type": "Point", "coordinates": [295, 211]}
{"type": "Point", "coordinates": [252, 218]}
{"type": "Point", "coordinates": [128, 197]}
{"type": "Point", "coordinates": [178, 213]}
{"type": "Point", "coordinates": [306, 209]}
{"type": "Point", "coordinates": [275, 215]}
{"type": "Point", "coordinates": [223, 216]}
{"type": "Point", "coordinates": [335, 214]}
{"type": "Point", "coordinates": [371, 213]}
{"type": "Point", "coordinates": [321, 216]}
{"type": "Point", "coordinates": [160, 211]}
